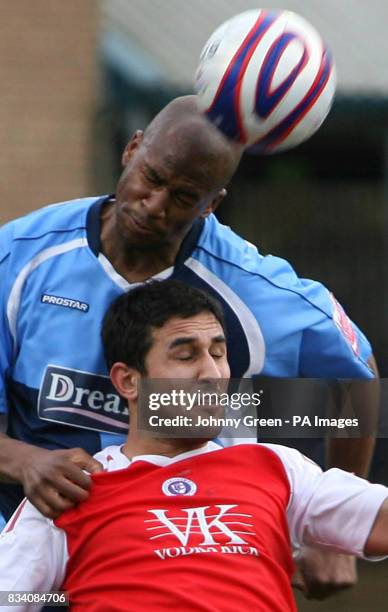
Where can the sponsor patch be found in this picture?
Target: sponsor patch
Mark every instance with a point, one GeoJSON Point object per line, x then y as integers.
{"type": "Point", "coordinates": [57, 300]}
{"type": "Point", "coordinates": [202, 530]}
{"type": "Point", "coordinates": [345, 326]}
{"type": "Point", "coordinates": [81, 399]}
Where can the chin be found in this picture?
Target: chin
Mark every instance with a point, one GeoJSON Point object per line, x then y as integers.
{"type": "Point", "coordinates": [205, 434]}
{"type": "Point", "coordinates": [192, 443]}
{"type": "Point", "coordinates": [132, 239]}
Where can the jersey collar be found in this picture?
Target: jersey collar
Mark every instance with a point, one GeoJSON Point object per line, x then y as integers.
{"type": "Point", "coordinates": [93, 229]}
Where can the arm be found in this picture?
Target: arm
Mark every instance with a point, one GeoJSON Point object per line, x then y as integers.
{"type": "Point", "coordinates": [334, 511]}
{"type": "Point", "coordinates": [334, 348]}
{"type": "Point", "coordinates": [53, 480]}
{"type": "Point", "coordinates": [355, 454]}
{"type": "Point", "coordinates": [322, 572]}
{"type": "Point", "coordinates": [330, 346]}
{"type": "Point", "coordinates": [33, 555]}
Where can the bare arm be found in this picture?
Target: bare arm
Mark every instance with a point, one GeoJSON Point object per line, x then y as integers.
{"type": "Point", "coordinates": [324, 573]}
{"type": "Point", "coordinates": [355, 454]}
{"type": "Point", "coordinates": [53, 480]}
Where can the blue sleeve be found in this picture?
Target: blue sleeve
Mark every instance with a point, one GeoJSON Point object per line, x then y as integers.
{"type": "Point", "coordinates": [6, 344]}
{"type": "Point", "coordinates": [333, 347]}
{"type": "Point", "coordinates": [302, 321]}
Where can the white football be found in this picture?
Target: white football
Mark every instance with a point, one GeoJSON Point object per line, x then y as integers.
{"type": "Point", "coordinates": [266, 79]}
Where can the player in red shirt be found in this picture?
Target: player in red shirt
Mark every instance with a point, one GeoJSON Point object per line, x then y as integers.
{"type": "Point", "coordinates": [180, 521]}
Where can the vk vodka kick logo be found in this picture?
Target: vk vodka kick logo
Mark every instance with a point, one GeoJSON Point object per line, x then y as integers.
{"type": "Point", "coordinates": [204, 529]}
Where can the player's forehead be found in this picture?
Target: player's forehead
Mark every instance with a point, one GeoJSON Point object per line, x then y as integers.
{"type": "Point", "coordinates": [202, 329]}
{"type": "Point", "coordinates": [186, 152]}
{"type": "Point", "coordinates": [176, 168]}
{"type": "Point", "coordinates": [174, 165]}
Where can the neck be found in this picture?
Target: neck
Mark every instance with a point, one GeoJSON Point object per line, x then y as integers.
{"type": "Point", "coordinates": [134, 263]}
{"type": "Point", "coordinates": [167, 447]}
{"type": "Point", "coordinates": [144, 444]}
{"type": "Point", "coordinates": [137, 265]}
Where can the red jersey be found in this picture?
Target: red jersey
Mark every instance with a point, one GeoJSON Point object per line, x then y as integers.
{"type": "Point", "coordinates": [204, 530]}
{"type": "Point", "coordinates": [205, 533]}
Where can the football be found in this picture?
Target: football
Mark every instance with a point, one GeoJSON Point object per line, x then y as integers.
{"type": "Point", "coordinates": [266, 79]}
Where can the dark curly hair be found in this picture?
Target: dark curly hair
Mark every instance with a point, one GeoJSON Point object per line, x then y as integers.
{"type": "Point", "coordinates": [129, 321]}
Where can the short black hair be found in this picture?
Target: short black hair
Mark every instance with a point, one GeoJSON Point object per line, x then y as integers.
{"type": "Point", "coordinates": [129, 321]}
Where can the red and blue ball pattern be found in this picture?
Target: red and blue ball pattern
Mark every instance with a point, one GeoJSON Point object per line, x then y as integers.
{"type": "Point", "coordinates": [266, 79]}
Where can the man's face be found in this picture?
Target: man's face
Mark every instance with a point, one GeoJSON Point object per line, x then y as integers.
{"type": "Point", "coordinates": [193, 348]}
{"type": "Point", "coordinates": [190, 356]}
{"type": "Point", "coordinates": [162, 191]}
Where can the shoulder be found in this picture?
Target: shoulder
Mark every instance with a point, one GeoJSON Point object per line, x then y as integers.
{"type": "Point", "coordinates": [22, 518]}
{"type": "Point", "coordinates": [236, 260]}
{"type": "Point", "coordinates": [252, 453]}
{"type": "Point", "coordinates": [291, 458]}
{"type": "Point", "coordinates": [221, 242]}
{"type": "Point", "coordinates": [56, 220]}
{"type": "Point", "coordinates": [286, 456]}
{"type": "Point", "coordinates": [49, 231]}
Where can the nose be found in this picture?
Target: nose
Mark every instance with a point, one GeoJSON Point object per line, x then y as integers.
{"type": "Point", "coordinates": [209, 368]}
{"type": "Point", "coordinates": [156, 202]}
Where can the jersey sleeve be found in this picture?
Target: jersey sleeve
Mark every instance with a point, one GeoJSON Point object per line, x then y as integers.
{"type": "Point", "coordinates": [332, 346]}
{"type": "Point", "coordinates": [332, 509]}
{"type": "Point", "coordinates": [6, 345]}
{"type": "Point", "coordinates": [304, 326]}
{"type": "Point", "coordinates": [33, 555]}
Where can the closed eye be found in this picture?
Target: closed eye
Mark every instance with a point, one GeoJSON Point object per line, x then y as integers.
{"type": "Point", "coordinates": [184, 202]}
{"type": "Point", "coordinates": [151, 176]}
{"type": "Point", "coordinates": [153, 180]}
{"type": "Point", "coordinates": [183, 355]}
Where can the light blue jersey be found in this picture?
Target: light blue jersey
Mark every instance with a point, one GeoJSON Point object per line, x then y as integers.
{"type": "Point", "coordinates": [56, 286]}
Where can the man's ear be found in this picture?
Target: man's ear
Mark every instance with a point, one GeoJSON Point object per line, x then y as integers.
{"type": "Point", "coordinates": [215, 202]}
{"type": "Point", "coordinates": [126, 380]}
{"type": "Point", "coordinates": [132, 145]}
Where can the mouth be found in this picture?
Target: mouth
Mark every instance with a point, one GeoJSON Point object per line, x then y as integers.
{"type": "Point", "coordinates": [141, 227]}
